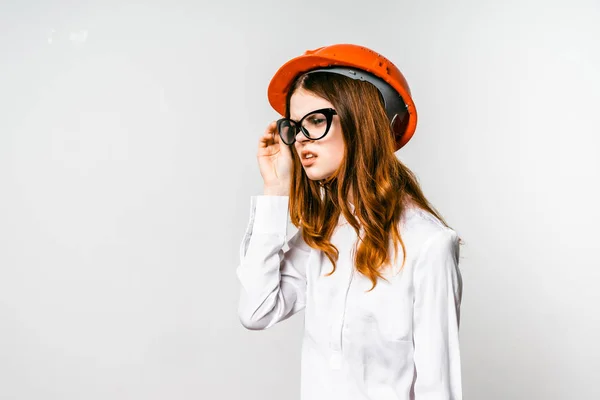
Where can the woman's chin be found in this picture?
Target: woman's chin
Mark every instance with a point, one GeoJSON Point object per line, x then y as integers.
{"type": "Point", "coordinates": [314, 176]}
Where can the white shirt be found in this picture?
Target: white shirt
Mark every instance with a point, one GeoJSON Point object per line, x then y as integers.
{"type": "Point", "coordinates": [400, 341]}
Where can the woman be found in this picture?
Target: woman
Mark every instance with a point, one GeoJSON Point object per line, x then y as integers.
{"type": "Point", "coordinates": [376, 327]}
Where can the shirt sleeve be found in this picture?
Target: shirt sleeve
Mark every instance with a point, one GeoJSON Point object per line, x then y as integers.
{"type": "Point", "coordinates": [273, 281]}
{"type": "Point", "coordinates": [438, 293]}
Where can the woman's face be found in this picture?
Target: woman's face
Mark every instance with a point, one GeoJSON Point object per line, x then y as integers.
{"type": "Point", "coordinates": [328, 152]}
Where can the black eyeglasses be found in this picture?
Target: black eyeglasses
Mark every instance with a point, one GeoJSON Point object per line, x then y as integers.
{"type": "Point", "coordinates": [313, 125]}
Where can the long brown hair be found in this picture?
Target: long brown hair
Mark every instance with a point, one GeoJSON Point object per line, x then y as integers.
{"type": "Point", "coordinates": [380, 183]}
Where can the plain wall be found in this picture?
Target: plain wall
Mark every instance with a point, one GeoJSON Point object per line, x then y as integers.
{"type": "Point", "coordinates": [128, 137]}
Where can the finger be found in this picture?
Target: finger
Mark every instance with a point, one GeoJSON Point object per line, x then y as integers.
{"type": "Point", "coordinates": [270, 130]}
{"type": "Point", "coordinates": [284, 147]}
{"type": "Point", "coordinates": [265, 140]}
{"type": "Point", "coordinates": [269, 137]}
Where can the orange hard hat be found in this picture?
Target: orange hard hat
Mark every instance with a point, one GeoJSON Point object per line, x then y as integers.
{"type": "Point", "coordinates": [356, 62]}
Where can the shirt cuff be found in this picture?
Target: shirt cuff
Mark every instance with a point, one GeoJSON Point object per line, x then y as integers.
{"type": "Point", "coordinates": [270, 214]}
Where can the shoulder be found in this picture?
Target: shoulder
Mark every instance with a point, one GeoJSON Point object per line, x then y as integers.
{"type": "Point", "coordinates": [433, 250]}
{"type": "Point", "coordinates": [422, 232]}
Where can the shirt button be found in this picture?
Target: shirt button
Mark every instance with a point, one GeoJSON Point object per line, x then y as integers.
{"type": "Point", "coordinates": [335, 361]}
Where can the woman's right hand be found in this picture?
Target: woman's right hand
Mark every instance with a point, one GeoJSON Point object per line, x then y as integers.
{"type": "Point", "coordinates": [275, 162]}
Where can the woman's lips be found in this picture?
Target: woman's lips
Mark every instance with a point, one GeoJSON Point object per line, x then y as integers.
{"type": "Point", "coordinates": [307, 162]}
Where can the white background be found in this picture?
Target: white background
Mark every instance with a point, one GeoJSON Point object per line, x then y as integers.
{"type": "Point", "coordinates": [128, 136]}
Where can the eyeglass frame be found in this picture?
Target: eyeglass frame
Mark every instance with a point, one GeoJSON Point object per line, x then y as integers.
{"type": "Point", "coordinates": [327, 112]}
